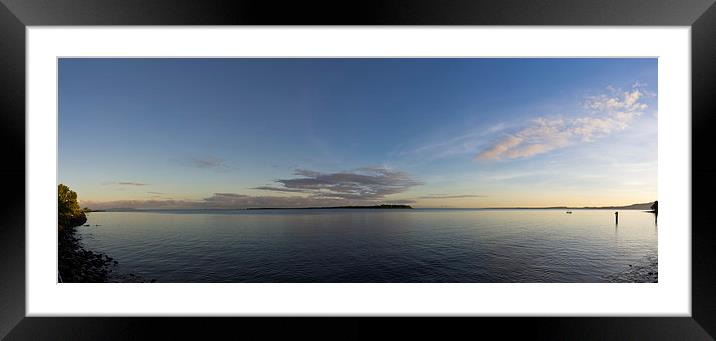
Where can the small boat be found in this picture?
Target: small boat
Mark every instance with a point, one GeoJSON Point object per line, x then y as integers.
{"type": "Point", "coordinates": [569, 212]}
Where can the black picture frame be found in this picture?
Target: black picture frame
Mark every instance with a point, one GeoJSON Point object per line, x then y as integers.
{"type": "Point", "coordinates": [15, 15]}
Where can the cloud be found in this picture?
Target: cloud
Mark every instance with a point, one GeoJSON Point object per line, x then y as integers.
{"type": "Point", "coordinates": [456, 145]}
{"type": "Point", "coordinates": [126, 183]}
{"type": "Point", "coordinates": [441, 196]}
{"type": "Point", "coordinates": [207, 162]}
{"type": "Point", "coordinates": [132, 183]}
{"type": "Point", "coordinates": [233, 201]}
{"type": "Point", "coordinates": [367, 183]}
{"type": "Point", "coordinates": [608, 114]}
{"type": "Point", "coordinates": [155, 192]}
{"type": "Point", "coordinates": [363, 186]}
{"type": "Point", "coordinates": [279, 189]}
{"type": "Point", "coordinates": [543, 136]}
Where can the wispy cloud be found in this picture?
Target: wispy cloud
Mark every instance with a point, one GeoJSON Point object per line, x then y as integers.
{"type": "Point", "coordinates": [461, 144]}
{"type": "Point", "coordinates": [208, 163]}
{"type": "Point", "coordinates": [368, 183]}
{"type": "Point", "coordinates": [542, 137]}
{"type": "Point", "coordinates": [126, 183]}
{"type": "Point", "coordinates": [205, 162]}
{"type": "Point", "coordinates": [440, 196]}
{"type": "Point", "coordinates": [279, 189]}
{"type": "Point", "coordinates": [606, 114]}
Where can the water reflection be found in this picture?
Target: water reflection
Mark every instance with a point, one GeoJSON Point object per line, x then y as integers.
{"type": "Point", "coordinates": [421, 245]}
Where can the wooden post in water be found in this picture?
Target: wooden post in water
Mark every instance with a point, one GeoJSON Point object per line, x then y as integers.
{"type": "Point", "coordinates": [616, 217]}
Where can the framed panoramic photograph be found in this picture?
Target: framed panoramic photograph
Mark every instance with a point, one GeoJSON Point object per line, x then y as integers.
{"type": "Point", "coordinates": [456, 161]}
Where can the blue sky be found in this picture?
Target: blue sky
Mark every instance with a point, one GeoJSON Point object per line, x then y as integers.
{"type": "Point", "coordinates": [179, 133]}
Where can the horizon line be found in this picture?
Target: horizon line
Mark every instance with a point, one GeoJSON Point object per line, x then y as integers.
{"type": "Point", "coordinates": [401, 206]}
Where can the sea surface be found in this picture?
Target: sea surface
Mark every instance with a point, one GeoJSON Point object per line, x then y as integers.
{"type": "Point", "coordinates": [373, 245]}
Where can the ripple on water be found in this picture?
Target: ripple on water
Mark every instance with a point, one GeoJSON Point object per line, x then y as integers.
{"type": "Point", "coordinates": [386, 246]}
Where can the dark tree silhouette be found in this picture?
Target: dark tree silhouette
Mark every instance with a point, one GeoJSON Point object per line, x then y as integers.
{"type": "Point", "coordinates": [69, 213]}
{"type": "Point", "coordinates": [75, 264]}
{"type": "Point", "coordinates": [655, 207]}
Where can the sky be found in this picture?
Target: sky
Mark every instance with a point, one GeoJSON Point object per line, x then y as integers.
{"type": "Point", "coordinates": [428, 132]}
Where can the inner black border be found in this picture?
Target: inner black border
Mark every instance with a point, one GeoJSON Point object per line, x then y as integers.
{"type": "Point", "coordinates": [15, 15]}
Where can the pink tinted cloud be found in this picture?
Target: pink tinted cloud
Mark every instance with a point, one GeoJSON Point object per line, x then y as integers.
{"type": "Point", "coordinates": [608, 114]}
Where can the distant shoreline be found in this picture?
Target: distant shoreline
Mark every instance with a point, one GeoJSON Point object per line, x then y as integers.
{"type": "Point", "coordinates": [114, 210]}
{"type": "Point", "coordinates": [565, 208]}
{"type": "Point", "coordinates": [635, 207]}
{"type": "Point", "coordinates": [333, 207]}
{"type": "Point", "coordinates": [643, 207]}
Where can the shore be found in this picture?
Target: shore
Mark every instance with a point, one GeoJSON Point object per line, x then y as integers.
{"type": "Point", "coordinates": [644, 271]}
{"type": "Point", "coordinates": [79, 265]}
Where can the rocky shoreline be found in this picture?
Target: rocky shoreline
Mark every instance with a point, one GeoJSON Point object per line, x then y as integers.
{"type": "Point", "coordinates": [79, 265]}
{"type": "Point", "coordinates": [645, 271]}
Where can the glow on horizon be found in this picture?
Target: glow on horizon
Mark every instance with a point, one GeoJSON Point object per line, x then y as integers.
{"type": "Point", "coordinates": [463, 133]}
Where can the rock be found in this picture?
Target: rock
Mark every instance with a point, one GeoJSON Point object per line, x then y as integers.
{"type": "Point", "coordinates": [646, 271]}
{"type": "Point", "coordinates": [76, 264]}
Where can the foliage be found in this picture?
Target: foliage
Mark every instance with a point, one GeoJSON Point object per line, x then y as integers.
{"type": "Point", "coordinates": [68, 209]}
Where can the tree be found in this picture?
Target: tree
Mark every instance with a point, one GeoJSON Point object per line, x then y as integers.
{"type": "Point", "coordinates": [68, 209]}
{"type": "Point", "coordinates": [655, 207]}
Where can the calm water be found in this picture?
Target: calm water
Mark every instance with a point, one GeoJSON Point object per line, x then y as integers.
{"type": "Point", "coordinates": [431, 245]}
